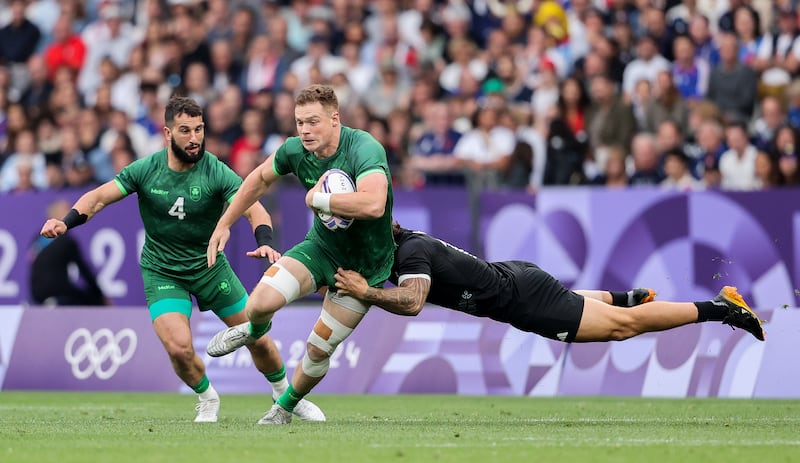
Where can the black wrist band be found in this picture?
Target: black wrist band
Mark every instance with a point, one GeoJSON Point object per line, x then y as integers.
{"type": "Point", "coordinates": [74, 218]}
{"type": "Point", "coordinates": [263, 234]}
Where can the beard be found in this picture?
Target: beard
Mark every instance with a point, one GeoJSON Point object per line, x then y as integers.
{"type": "Point", "coordinates": [185, 157]}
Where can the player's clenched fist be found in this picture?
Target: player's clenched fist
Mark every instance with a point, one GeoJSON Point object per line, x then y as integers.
{"type": "Point", "coordinates": [53, 228]}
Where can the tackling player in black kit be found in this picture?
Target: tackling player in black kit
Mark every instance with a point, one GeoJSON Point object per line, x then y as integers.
{"type": "Point", "coordinates": [530, 299]}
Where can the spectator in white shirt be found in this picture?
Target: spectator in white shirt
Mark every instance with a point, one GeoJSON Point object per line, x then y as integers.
{"type": "Point", "coordinates": [486, 149]}
{"type": "Point", "coordinates": [647, 65]}
{"type": "Point", "coordinates": [737, 164]}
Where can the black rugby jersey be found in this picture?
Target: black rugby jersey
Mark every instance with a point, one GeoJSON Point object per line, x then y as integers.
{"type": "Point", "coordinates": [459, 280]}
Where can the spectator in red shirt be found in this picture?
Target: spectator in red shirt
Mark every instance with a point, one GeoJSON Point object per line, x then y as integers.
{"type": "Point", "coordinates": [67, 48]}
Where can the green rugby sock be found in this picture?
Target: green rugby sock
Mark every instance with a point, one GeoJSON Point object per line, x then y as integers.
{"type": "Point", "coordinates": [259, 329]}
{"type": "Point", "coordinates": [202, 385]}
{"type": "Point", "coordinates": [276, 376]}
{"type": "Point", "coordinates": [289, 399]}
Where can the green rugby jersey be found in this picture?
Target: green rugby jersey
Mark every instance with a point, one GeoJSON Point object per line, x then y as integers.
{"type": "Point", "coordinates": [368, 245]}
{"type": "Point", "coordinates": [179, 209]}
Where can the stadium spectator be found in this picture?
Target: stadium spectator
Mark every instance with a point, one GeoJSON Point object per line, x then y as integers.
{"type": "Point", "coordinates": [485, 149]}
{"type": "Point", "coordinates": [36, 94]}
{"type": "Point", "coordinates": [518, 172]}
{"type": "Point", "coordinates": [641, 100]}
{"type": "Point", "coordinates": [398, 140]}
{"type": "Point", "coordinates": [737, 164]}
{"type": "Point", "coordinates": [389, 91]}
{"type": "Point", "coordinates": [748, 30]}
{"type": "Point", "coordinates": [778, 55]}
{"type": "Point", "coordinates": [732, 84]}
{"type": "Point", "coordinates": [194, 47]}
{"type": "Point", "coordinates": [18, 42]}
{"type": "Point", "coordinates": [110, 36]}
{"type": "Point", "coordinates": [20, 37]}
{"type": "Point", "coordinates": [252, 139]}
{"type": "Point", "coordinates": [367, 245]}
{"type": "Point", "coordinates": [225, 70]}
{"type": "Point", "coordinates": [703, 40]}
{"type": "Point", "coordinates": [565, 145]}
{"type": "Point", "coordinates": [216, 21]}
{"type": "Point", "coordinates": [244, 27]}
{"type": "Point", "coordinates": [771, 117]}
{"type": "Point", "coordinates": [786, 148]}
{"type": "Point", "coordinates": [669, 136]}
{"type": "Point", "coordinates": [319, 56]}
{"type": "Point", "coordinates": [280, 125]}
{"type": "Point", "coordinates": [465, 60]}
{"type": "Point", "coordinates": [546, 92]}
{"type": "Point", "coordinates": [706, 150]}
{"type": "Point", "coordinates": [51, 261]}
{"type": "Point", "coordinates": [677, 174]}
{"type": "Point", "coordinates": [609, 121]}
{"type": "Point", "coordinates": [67, 48]}
{"type": "Point", "coordinates": [429, 270]}
{"type": "Point", "coordinates": [726, 20]}
{"type": "Point", "coordinates": [616, 174]}
{"type": "Point", "coordinates": [165, 265]}
{"type": "Point", "coordinates": [26, 160]}
{"type": "Point", "coordinates": [576, 30]}
{"type": "Point", "coordinates": [646, 161]}
{"type": "Point", "coordinates": [648, 63]}
{"type": "Point", "coordinates": [73, 160]}
{"type": "Point", "coordinates": [431, 161]}
{"type": "Point", "coordinates": [689, 72]}
{"type": "Point", "coordinates": [609, 50]}
{"type": "Point", "coordinates": [766, 170]}
{"type": "Point", "coordinates": [197, 84]}
{"type": "Point", "coordinates": [667, 104]}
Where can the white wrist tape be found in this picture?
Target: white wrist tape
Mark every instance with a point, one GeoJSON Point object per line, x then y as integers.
{"type": "Point", "coordinates": [321, 202]}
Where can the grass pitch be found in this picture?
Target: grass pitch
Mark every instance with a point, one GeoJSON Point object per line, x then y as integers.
{"type": "Point", "coordinates": [113, 427]}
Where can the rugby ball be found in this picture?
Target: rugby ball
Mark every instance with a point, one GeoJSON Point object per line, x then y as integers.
{"type": "Point", "coordinates": [336, 181]}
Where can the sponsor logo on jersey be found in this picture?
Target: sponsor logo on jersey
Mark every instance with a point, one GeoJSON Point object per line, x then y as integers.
{"type": "Point", "coordinates": [194, 193]}
{"type": "Point", "coordinates": [562, 336]}
{"type": "Point", "coordinates": [224, 287]}
{"type": "Point", "coordinates": [310, 181]}
{"type": "Point", "coordinates": [467, 304]}
{"type": "Point", "coordinates": [165, 287]}
{"type": "Point", "coordinates": [158, 191]}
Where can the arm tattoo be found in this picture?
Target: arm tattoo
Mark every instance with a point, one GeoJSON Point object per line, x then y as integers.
{"type": "Point", "coordinates": [407, 299]}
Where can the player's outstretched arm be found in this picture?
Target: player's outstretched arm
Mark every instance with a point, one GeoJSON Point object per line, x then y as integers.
{"type": "Point", "coordinates": [254, 186]}
{"type": "Point", "coordinates": [84, 209]}
{"type": "Point", "coordinates": [406, 299]}
{"type": "Point", "coordinates": [261, 223]}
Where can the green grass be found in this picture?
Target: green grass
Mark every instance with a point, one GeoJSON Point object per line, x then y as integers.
{"type": "Point", "coordinates": [120, 428]}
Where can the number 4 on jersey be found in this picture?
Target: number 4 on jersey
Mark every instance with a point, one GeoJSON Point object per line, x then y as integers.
{"type": "Point", "coordinates": [177, 209]}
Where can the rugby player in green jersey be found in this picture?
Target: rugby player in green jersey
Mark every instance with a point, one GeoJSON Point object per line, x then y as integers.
{"type": "Point", "coordinates": [323, 143]}
{"type": "Point", "coordinates": [182, 191]}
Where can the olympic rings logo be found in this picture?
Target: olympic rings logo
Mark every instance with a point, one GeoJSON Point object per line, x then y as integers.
{"type": "Point", "coordinates": [100, 353]}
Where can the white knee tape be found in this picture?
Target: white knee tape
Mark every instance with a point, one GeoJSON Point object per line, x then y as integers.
{"type": "Point", "coordinates": [348, 302]}
{"type": "Point", "coordinates": [330, 334]}
{"type": "Point", "coordinates": [283, 281]}
{"type": "Point", "coordinates": [315, 369]}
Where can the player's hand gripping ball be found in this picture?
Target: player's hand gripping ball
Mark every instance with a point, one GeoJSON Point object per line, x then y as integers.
{"type": "Point", "coordinates": [337, 181]}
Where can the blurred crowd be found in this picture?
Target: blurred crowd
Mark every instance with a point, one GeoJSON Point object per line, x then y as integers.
{"type": "Point", "coordinates": [488, 94]}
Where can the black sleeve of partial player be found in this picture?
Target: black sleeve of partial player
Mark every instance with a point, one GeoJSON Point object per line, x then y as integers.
{"type": "Point", "coordinates": [414, 256]}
